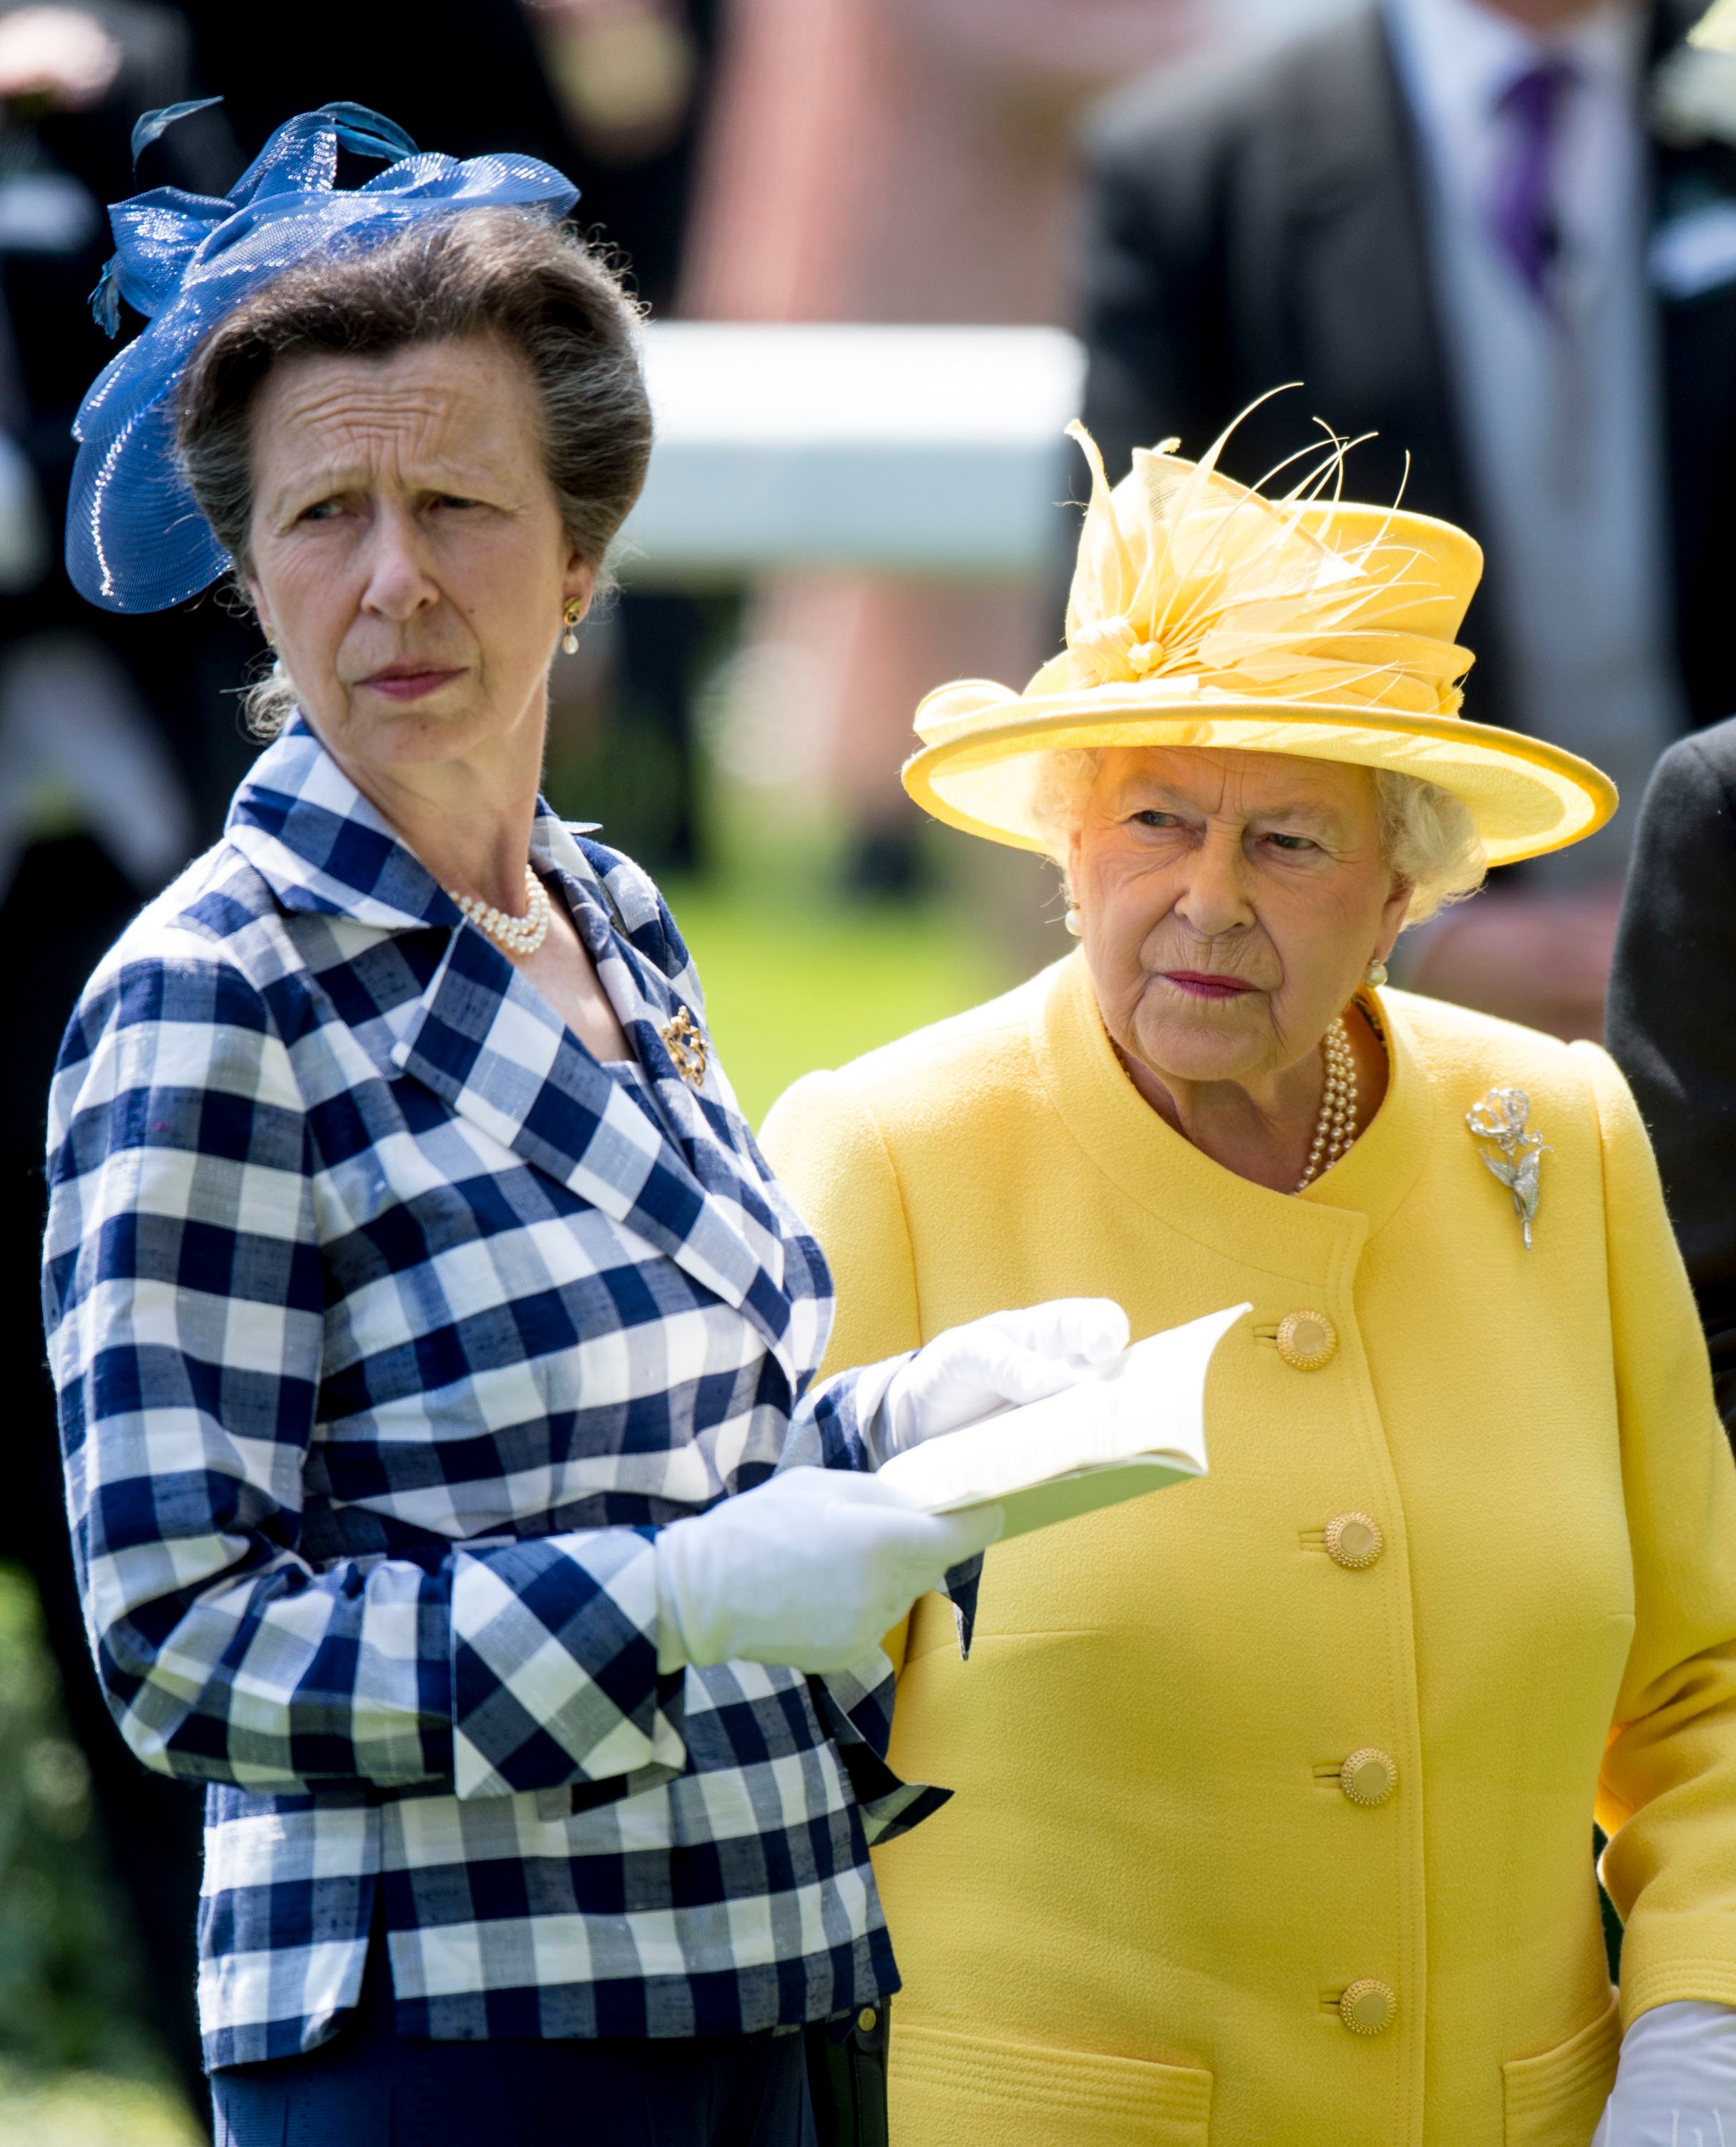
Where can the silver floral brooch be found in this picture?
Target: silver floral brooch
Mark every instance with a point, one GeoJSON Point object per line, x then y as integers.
{"type": "Point", "coordinates": [1518, 1153]}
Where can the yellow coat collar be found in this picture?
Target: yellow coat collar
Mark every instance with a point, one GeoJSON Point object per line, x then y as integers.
{"type": "Point", "coordinates": [1153, 1165]}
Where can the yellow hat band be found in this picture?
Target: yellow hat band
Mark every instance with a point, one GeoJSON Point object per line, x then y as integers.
{"type": "Point", "coordinates": [1526, 797]}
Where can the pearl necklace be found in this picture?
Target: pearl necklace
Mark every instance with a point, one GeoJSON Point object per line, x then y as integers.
{"type": "Point", "coordinates": [512, 935]}
{"type": "Point", "coordinates": [1335, 1129]}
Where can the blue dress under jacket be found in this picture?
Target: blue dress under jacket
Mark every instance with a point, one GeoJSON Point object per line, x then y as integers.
{"type": "Point", "coordinates": [388, 1325]}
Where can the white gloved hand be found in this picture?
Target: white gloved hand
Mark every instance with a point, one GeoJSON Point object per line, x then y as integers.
{"type": "Point", "coordinates": [971, 1372]}
{"type": "Point", "coordinates": [1676, 2084]}
{"type": "Point", "coordinates": [810, 1570]}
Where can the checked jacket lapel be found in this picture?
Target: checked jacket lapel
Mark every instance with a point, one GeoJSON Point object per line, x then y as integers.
{"type": "Point", "coordinates": [488, 1044]}
{"type": "Point", "coordinates": [604, 895]}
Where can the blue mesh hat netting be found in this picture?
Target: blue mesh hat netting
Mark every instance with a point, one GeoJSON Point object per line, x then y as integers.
{"type": "Point", "coordinates": [136, 540]}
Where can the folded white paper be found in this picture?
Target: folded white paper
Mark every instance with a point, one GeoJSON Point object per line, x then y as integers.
{"type": "Point", "coordinates": [1132, 1427]}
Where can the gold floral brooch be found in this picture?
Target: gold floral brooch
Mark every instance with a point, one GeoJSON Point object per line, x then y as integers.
{"type": "Point", "coordinates": [687, 1046]}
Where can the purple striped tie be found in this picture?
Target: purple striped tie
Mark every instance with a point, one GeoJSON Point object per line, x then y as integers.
{"type": "Point", "coordinates": [1521, 208]}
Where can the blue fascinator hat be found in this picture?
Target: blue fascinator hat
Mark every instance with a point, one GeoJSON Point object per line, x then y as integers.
{"type": "Point", "coordinates": [136, 540]}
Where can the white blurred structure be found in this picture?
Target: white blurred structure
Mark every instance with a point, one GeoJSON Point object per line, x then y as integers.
{"type": "Point", "coordinates": [895, 161]}
{"type": "Point", "coordinates": [1234, 25]}
{"type": "Point", "coordinates": [918, 449]}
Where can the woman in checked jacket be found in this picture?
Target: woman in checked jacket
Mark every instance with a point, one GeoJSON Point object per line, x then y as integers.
{"type": "Point", "coordinates": [433, 1342]}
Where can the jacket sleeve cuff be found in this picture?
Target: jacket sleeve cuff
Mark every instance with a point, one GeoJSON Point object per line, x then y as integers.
{"type": "Point", "coordinates": [841, 1423]}
{"type": "Point", "coordinates": [855, 1709]}
{"type": "Point", "coordinates": [554, 1666]}
{"type": "Point", "coordinates": [1670, 1956]}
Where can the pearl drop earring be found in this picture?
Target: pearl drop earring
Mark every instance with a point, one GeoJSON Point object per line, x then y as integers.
{"type": "Point", "coordinates": [1376, 974]}
{"type": "Point", "coordinates": [574, 612]}
{"type": "Point", "coordinates": [1073, 922]}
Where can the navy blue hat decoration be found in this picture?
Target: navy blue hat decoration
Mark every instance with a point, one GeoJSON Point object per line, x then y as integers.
{"type": "Point", "coordinates": [136, 539]}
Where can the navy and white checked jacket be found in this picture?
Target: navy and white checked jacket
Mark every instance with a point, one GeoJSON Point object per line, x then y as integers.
{"type": "Point", "coordinates": [389, 1326]}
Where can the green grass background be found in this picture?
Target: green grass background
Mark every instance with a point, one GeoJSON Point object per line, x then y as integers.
{"type": "Point", "coordinates": [795, 985]}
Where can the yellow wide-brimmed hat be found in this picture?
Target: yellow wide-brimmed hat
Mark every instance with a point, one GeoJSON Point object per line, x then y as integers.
{"type": "Point", "coordinates": [1205, 614]}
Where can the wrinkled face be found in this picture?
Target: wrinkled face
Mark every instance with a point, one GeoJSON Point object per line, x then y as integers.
{"type": "Point", "coordinates": [1229, 904]}
{"type": "Point", "coordinates": [407, 551]}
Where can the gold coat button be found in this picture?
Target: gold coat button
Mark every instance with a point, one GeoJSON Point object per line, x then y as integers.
{"type": "Point", "coordinates": [868, 2019]}
{"type": "Point", "coordinates": [1368, 2006]}
{"type": "Point", "coordinates": [1367, 1777]}
{"type": "Point", "coordinates": [1354, 1540]}
{"type": "Point", "coordinates": [1307, 1340]}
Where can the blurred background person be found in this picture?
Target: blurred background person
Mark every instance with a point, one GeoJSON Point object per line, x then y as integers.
{"type": "Point", "coordinates": [93, 712]}
{"type": "Point", "coordinates": [1672, 1020]}
{"type": "Point", "coordinates": [899, 160]}
{"type": "Point", "coordinates": [1498, 233]}
{"type": "Point", "coordinates": [632, 80]}
{"type": "Point", "coordinates": [1672, 1017]}
{"type": "Point", "coordinates": [615, 92]}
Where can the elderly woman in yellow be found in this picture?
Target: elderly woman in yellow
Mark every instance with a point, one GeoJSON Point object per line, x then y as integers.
{"type": "Point", "coordinates": [1276, 1791]}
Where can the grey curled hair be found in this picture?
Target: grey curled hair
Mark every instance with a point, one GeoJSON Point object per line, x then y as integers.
{"type": "Point", "coordinates": [1428, 837]}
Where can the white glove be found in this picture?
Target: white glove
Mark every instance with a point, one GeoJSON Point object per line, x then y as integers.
{"type": "Point", "coordinates": [974, 1371]}
{"type": "Point", "coordinates": [1676, 2084]}
{"type": "Point", "coordinates": [809, 1570]}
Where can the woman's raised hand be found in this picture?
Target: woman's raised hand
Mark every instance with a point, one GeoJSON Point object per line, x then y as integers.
{"type": "Point", "coordinates": [810, 1570]}
{"type": "Point", "coordinates": [974, 1371]}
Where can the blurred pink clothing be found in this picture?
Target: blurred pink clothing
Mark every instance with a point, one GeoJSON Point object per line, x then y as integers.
{"type": "Point", "coordinates": [903, 160]}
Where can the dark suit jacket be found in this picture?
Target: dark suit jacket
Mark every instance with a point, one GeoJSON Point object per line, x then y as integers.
{"type": "Point", "coordinates": [464, 76]}
{"type": "Point", "coordinates": [1260, 221]}
{"type": "Point", "coordinates": [1673, 1015]}
{"type": "Point", "coordinates": [182, 661]}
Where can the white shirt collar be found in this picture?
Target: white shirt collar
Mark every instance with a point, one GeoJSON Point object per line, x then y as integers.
{"type": "Point", "coordinates": [1457, 58]}
{"type": "Point", "coordinates": [1455, 61]}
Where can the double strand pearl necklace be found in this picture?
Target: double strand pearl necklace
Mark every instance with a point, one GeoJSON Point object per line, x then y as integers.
{"type": "Point", "coordinates": [512, 935]}
{"type": "Point", "coordinates": [1335, 1129]}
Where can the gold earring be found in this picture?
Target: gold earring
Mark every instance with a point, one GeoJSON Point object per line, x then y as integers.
{"type": "Point", "coordinates": [573, 612]}
{"type": "Point", "coordinates": [1376, 974]}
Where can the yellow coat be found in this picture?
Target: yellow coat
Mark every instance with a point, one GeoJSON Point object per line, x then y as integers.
{"type": "Point", "coordinates": [1133, 1924]}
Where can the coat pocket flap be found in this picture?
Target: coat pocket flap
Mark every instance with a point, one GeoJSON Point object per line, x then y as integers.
{"type": "Point", "coordinates": [952, 2090]}
{"type": "Point", "coordinates": [1555, 2100]}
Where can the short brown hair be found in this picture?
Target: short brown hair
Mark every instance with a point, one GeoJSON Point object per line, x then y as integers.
{"type": "Point", "coordinates": [507, 273]}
